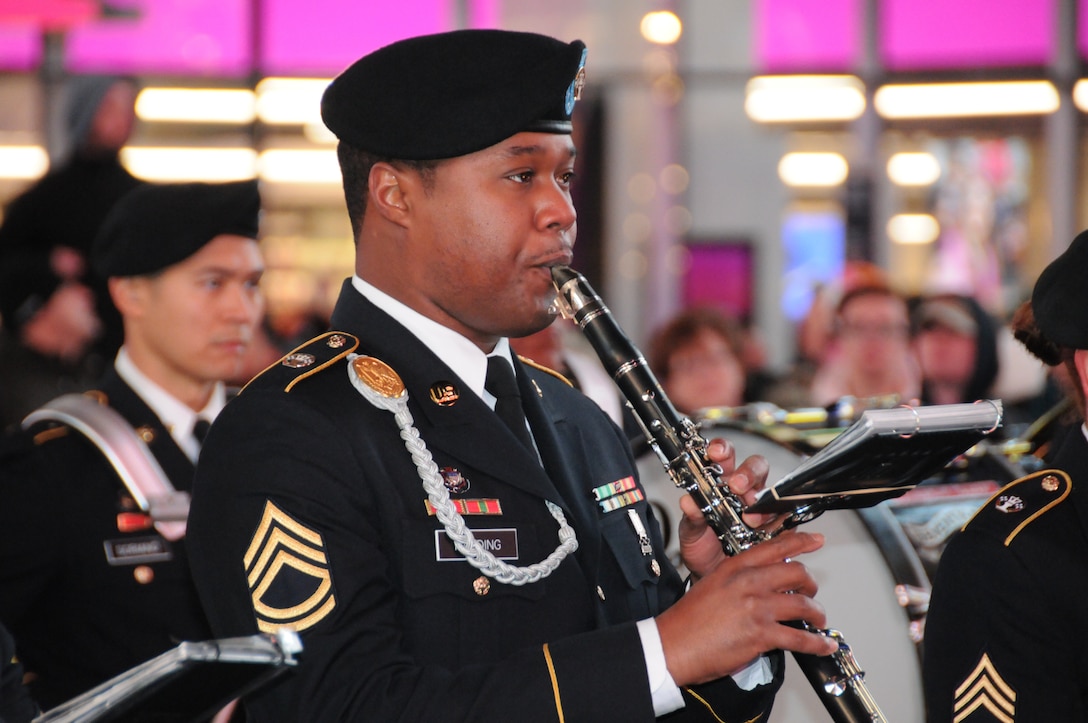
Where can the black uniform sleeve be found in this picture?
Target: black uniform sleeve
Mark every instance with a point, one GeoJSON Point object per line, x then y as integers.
{"type": "Point", "coordinates": [1003, 635]}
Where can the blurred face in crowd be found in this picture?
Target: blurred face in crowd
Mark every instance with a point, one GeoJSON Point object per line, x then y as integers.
{"type": "Point", "coordinates": [189, 325]}
{"type": "Point", "coordinates": [477, 242]}
{"type": "Point", "coordinates": [66, 325]}
{"type": "Point", "coordinates": [704, 372]}
{"type": "Point", "coordinates": [946, 356]}
{"type": "Point", "coordinates": [115, 118]}
{"type": "Point", "coordinates": [874, 331]}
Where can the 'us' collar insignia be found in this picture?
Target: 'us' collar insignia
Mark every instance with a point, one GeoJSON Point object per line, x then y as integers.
{"type": "Point", "coordinates": [444, 394]}
{"type": "Point", "coordinates": [1009, 504]}
{"type": "Point", "coordinates": [455, 482]}
{"type": "Point", "coordinates": [288, 573]}
{"type": "Point", "coordinates": [984, 688]}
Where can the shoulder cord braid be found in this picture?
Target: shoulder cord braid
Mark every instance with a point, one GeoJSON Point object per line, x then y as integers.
{"type": "Point", "coordinates": [461, 536]}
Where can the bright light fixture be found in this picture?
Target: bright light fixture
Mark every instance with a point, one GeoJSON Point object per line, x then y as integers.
{"type": "Point", "coordinates": [190, 164]}
{"type": "Point", "coordinates": [914, 169]}
{"type": "Point", "coordinates": [913, 228]}
{"type": "Point", "coordinates": [813, 169]}
{"type": "Point", "coordinates": [23, 162]}
{"type": "Point", "coordinates": [662, 27]}
{"type": "Point", "coordinates": [197, 105]}
{"type": "Point", "coordinates": [956, 100]}
{"type": "Point", "coordinates": [1080, 95]}
{"type": "Point", "coordinates": [299, 166]}
{"type": "Point", "coordinates": [804, 98]}
{"type": "Point", "coordinates": [290, 100]}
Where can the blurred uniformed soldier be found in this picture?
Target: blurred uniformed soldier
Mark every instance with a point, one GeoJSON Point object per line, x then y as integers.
{"type": "Point", "coordinates": [1005, 634]}
{"type": "Point", "coordinates": [91, 584]}
{"type": "Point", "coordinates": [343, 492]}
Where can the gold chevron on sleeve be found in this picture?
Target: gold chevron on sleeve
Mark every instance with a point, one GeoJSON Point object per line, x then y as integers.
{"type": "Point", "coordinates": [984, 688]}
{"type": "Point", "coordinates": [288, 573]}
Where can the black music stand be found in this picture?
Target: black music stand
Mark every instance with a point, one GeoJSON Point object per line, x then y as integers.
{"type": "Point", "coordinates": [882, 455]}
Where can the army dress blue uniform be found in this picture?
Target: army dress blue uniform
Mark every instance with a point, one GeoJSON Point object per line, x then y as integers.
{"type": "Point", "coordinates": [308, 511]}
{"type": "Point", "coordinates": [1008, 618]}
{"type": "Point", "coordinates": [88, 587]}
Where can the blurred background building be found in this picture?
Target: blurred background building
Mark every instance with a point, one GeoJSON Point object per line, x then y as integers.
{"type": "Point", "coordinates": [733, 152]}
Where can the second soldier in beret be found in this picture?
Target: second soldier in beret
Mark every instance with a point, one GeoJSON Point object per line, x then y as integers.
{"type": "Point", "coordinates": [1004, 638]}
{"type": "Point", "coordinates": [445, 556]}
{"type": "Point", "coordinates": [92, 581]}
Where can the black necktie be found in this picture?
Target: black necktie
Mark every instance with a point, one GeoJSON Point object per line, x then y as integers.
{"type": "Point", "coordinates": [200, 429]}
{"type": "Point", "coordinates": [501, 384]}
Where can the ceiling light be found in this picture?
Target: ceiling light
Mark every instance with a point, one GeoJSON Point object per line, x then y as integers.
{"type": "Point", "coordinates": [299, 166]}
{"type": "Point", "coordinates": [190, 164]}
{"type": "Point", "coordinates": [294, 101]}
{"type": "Point", "coordinates": [1080, 95]}
{"type": "Point", "coordinates": [955, 100]}
{"type": "Point", "coordinates": [23, 162]}
{"type": "Point", "coordinates": [813, 169]}
{"type": "Point", "coordinates": [913, 228]}
{"type": "Point", "coordinates": [804, 98]}
{"type": "Point", "coordinates": [196, 105]}
{"type": "Point", "coordinates": [661, 27]}
{"type": "Point", "coordinates": [914, 169]}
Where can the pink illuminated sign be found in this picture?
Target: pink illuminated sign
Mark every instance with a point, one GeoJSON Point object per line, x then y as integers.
{"type": "Point", "coordinates": [222, 37]}
{"type": "Point", "coordinates": [807, 35]}
{"type": "Point", "coordinates": [934, 34]}
{"type": "Point", "coordinates": [325, 36]}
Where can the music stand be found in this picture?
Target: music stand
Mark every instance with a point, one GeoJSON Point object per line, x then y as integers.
{"type": "Point", "coordinates": [186, 684]}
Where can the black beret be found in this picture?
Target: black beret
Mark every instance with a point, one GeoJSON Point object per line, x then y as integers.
{"type": "Point", "coordinates": [155, 226]}
{"type": "Point", "coordinates": [1060, 298]}
{"type": "Point", "coordinates": [451, 94]}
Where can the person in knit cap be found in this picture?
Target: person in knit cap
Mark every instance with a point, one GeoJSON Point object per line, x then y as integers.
{"type": "Point", "coordinates": [94, 575]}
{"type": "Point", "coordinates": [1002, 636]}
{"type": "Point", "coordinates": [50, 227]}
{"type": "Point", "coordinates": [455, 533]}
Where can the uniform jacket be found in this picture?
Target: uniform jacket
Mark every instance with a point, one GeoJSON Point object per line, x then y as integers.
{"type": "Point", "coordinates": [1006, 630]}
{"type": "Point", "coordinates": [84, 599]}
{"type": "Point", "coordinates": [308, 511]}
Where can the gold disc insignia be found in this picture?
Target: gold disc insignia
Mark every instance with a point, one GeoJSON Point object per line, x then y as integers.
{"type": "Point", "coordinates": [379, 376]}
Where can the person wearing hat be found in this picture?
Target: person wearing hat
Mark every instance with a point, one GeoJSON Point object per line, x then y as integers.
{"type": "Point", "coordinates": [47, 326]}
{"type": "Point", "coordinates": [443, 555]}
{"type": "Point", "coordinates": [50, 227]}
{"type": "Point", "coordinates": [91, 584]}
{"type": "Point", "coordinates": [1003, 637]}
{"type": "Point", "coordinates": [956, 343]}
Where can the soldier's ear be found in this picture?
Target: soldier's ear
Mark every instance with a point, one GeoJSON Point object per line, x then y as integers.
{"type": "Point", "coordinates": [388, 195]}
{"type": "Point", "coordinates": [129, 294]}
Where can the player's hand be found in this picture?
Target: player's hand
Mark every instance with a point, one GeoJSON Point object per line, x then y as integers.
{"type": "Point", "coordinates": [736, 612]}
{"type": "Point", "coordinates": [700, 548]}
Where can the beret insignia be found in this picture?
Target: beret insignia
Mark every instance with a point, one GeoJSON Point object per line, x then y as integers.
{"type": "Point", "coordinates": [288, 573]}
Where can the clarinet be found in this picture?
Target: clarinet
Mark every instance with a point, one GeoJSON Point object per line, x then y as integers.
{"type": "Point", "coordinates": [837, 678]}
